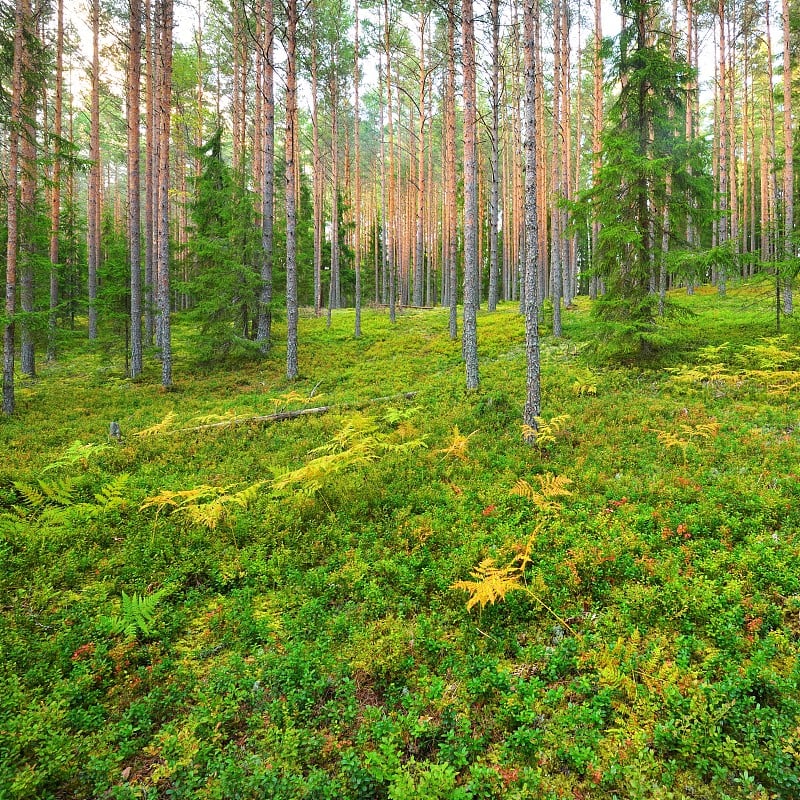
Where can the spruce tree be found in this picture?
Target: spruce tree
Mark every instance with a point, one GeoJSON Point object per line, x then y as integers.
{"type": "Point", "coordinates": [644, 150]}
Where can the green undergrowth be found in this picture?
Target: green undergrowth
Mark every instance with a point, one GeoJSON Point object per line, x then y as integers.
{"type": "Point", "coordinates": [278, 609]}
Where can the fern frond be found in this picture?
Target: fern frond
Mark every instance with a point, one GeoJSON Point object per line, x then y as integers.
{"type": "Point", "coordinates": [112, 494]}
{"type": "Point", "coordinates": [76, 451]}
{"type": "Point", "coordinates": [137, 613]}
{"type": "Point", "coordinates": [59, 492]}
{"type": "Point", "coordinates": [32, 496]}
{"type": "Point", "coordinates": [212, 419]}
{"type": "Point", "coordinates": [545, 431]}
{"type": "Point", "coordinates": [458, 445]}
{"type": "Point", "coordinates": [554, 485]}
{"type": "Point", "coordinates": [159, 427]}
{"type": "Point", "coordinates": [491, 583]}
{"type": "Point", "coordinates": [581, 389]}
{"type": "Point", "coordinates": [522, 489]}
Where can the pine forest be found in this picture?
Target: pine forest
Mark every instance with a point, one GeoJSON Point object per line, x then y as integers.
{"type": "Point", "coordinates": [400, 401]}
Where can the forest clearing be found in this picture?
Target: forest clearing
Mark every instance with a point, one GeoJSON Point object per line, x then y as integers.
{"type": "Point", "coordinates": [399, 400]}
{"type": "Point", "coordinates": [280, 609]}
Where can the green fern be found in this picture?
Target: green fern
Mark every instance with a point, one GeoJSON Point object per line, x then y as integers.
{"type": "Point", "coordinates": [34, 498]}
{"type": "Point", "coordinates": [137, 613]}
{"type": "Point", "coordinates": [111, 495]}
{"type": "Point", "coordinates": [76, 452]}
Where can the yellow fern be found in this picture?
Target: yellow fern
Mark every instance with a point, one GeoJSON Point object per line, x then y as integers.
{"type": "Point", "coordinates": [282, 402]}
{"type": "Point", "coordinates": [159, 427]}
{"type": "Point", "coordinates": [206, 506]}
{"type": "Point", "coordinates": [545, 431]}
{"type": "Point", "coordinates": [551, 487]}
{"type": "Point", "coordinates": [357, 444]}
{"type": "Point", "coordinates": [523, 489]}
{"type": "Point", "coordinates": [491, 583]}
{"type": "Point", "coordinates": [458, 445]}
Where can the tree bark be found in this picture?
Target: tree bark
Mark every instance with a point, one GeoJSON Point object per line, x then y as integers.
{"type": "Point", "coordinates": [391, 222]}
{"type": "Point", "coordinates": [494, 197]}
{"type": "Point", "coordinates": [357, 168]}
{"type": "Point", "coordinates": [27, 179]}
{"type": "Point", "coordinates": [470, 339]}
{"type": "Point", "coordinates": [532, 374]}
{"type": "Point", "coordinates": [95, 172]}
{"type": "Point", "coordinates": [291, 208]}
{"type": "Point", "coordinates": [788, 164]}
{"type": "Point", "coordinates": [22, 12]}
{"type": "Point", "coordinates": [149, 179]}
{"type": "Point", "coordinates": [264, 332]}
{"type": "Point", "coordinates": [55, 196]}
{"type": "Point", "coordinates": [134, 181]}
{"type": "Point", "coordinates": [165, 19]}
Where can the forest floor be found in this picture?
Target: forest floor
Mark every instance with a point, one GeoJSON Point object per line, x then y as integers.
{"type": "Point", "coordinates": [279, 610]}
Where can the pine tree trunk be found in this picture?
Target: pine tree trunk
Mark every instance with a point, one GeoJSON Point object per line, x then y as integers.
{"type": "Point", "coordinates": [723, 226]}
{"type": "Point", "coordinates": [788, 164]}
{"type": "Point", "coordinates": [55, 196]}
{"type": "Point", "coordinates": [22, 12]}
{"type": "Point", "coordinates": [419, 250]}
{"type": "Point", "coordinates": [391, 237]}
{"type": "Point", "coordinates": [27, 179]}
{"type": "Point", "coordinates": [334, 300]}
{"type": "Point", "coordinates": [291, 206]}
{"type": "Point", "coordinates": [494, 197]}
{"type": "Point", "coordinates": [318, 176]}
{"type": "Point", "coordinates": [149, 179]}
{"type": "Point", "coordinates": [357, 168]}
{"type": "Point", "coordinates": [165, 19]}
{"type": "Point", "coordinates": [264, 333]}
{"type": "Point", "coordinates": [470, 339]}
{"type": "Point", "coordinates": [134, 181]}
{"type": "Point", "coordinates": [95, 174]}
{"type": "Point", "coordinates": [450, 133]}
{"type": "Point", "coordinates": [532, 375]}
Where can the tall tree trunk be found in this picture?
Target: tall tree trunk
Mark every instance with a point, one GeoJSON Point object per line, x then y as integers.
{"type": "Point", "coordinates": [27, 178]}
{"type": "Point", "coordinates": [470, 198]}
{"type": "Point", "coordinates": [723, 226]}
{"type": "Point", "coordinates": [264, 332]}
{"type": "Point", "coordinates": [357, 168]}
{"type": "Point", "coordinates": [95, 172]}
{"type": "Point", "coordinates": [494, 197]}
{"type": "Point", "coordinates": [134, 181]}
{"type": "Point", "coordinates": [557, 264]}
{"type": "Point", "coordinates": [532, 406]}
{"type": "Point", "coordinates": [384, 295]}
{"type": "Point", "coordinates": [55, 196]}
{"type": "Point", "coordinates": [391, 226]}
{"type": "Point", "coordinates": [291, 206]}
{"type": "Point", "coordinates": [334, 287]}
{"type": "Point", "coordinates": [21, 19]}
{"type": "Point", "coordinates": [419, 250]}
{"type": "Point", "coordinates": [149, 177]}
{"type": "Point", "coordinates": [165, 19]}
{"type": "Point", "coordinates": [788, 164]}
{"type": "Point", "coordinates": [319, 181]}
{"type": "Point", "coordinates": [450, 134]}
